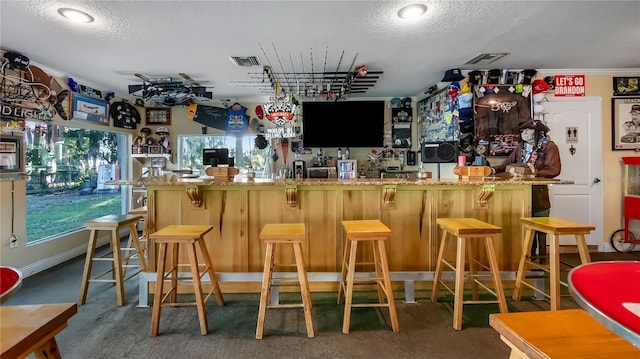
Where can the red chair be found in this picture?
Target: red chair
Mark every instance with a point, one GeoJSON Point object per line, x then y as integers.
{"type": "Point", "coordinates": [10, 282]}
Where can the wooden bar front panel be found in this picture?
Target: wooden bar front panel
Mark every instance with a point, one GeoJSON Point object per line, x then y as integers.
{"type": "Point", "coordinates": [239, 212]}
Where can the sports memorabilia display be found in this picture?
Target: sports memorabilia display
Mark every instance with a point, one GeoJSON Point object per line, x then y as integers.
{"type": "Point", "coordinates": [124, 114]}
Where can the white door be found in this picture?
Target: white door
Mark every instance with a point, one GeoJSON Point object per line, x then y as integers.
{"type": "Point", "coordinates": [576, 127]}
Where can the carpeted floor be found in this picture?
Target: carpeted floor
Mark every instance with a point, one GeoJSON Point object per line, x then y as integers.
{"type": "Point", "coordinates": [103, 330]}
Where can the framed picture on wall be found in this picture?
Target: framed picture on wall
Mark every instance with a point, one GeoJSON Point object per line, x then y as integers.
{"type": "Point", "coordinates": [625, 123]}
{"type": "Point", "coordinates": [626, 86]}
{"type": "Point", "coordinates": [90, 109]}
{"type": "Point", "coordinates": [499, 108]}
{"type": "Point", "coordinates": [158, 116]}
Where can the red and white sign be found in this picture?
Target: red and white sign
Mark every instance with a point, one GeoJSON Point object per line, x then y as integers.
{"type": "Point", "coordinates": [569, 85]}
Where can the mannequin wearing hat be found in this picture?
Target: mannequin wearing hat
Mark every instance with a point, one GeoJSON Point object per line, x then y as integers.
{"type": "Point", "coordinates": [163, 141]}
{"type": "Point", "coordinates": [144, 138]}
{"type": "Point", "coordinates": [540, 154]}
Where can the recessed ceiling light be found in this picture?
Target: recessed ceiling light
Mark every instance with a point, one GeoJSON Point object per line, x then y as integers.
{"type": "Point", "coordinates": [75, 15]}
{"type": "Point", "coordinates": [412, 11]}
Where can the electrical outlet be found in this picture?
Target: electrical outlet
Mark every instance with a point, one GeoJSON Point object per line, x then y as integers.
{"type": "Point", "coordinates": [13, 241]}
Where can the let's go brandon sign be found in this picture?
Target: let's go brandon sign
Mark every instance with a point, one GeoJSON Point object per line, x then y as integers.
{"type": "Point", "coordinates": [569, 85]}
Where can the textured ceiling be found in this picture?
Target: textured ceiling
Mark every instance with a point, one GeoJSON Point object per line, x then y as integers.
{"type": "Point", "coordinates": [164, 38]}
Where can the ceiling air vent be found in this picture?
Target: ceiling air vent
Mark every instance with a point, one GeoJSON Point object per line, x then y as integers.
{"type": "Point", "coordinates": [485, 59]}
{"type": "Point", "coordinates": [245, 61]}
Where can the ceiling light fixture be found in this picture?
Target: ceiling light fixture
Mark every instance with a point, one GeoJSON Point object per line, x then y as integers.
{"type": "Point", "coordinates": [75, 15]}
{"type": "Point", "coordinates": [412, 11]}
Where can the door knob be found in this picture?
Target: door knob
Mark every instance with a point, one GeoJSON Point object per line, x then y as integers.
{"type": "Point", "coordinates": [595, 181]}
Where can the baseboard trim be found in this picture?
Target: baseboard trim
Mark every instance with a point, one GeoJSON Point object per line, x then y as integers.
{"type": "Point", "coordinates": [49, 262]}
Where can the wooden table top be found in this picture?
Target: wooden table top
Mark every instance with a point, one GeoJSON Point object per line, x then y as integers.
{"type": "Point", "coordinates": [23, 328]}
{"type": "Point", "coordinates": [561, 334]}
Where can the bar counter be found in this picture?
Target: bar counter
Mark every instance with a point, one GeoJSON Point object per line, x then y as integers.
{"type": "Point", "coordinates": [238, 209]}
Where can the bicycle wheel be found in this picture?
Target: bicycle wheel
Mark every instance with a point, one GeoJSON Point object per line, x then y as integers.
{"type": "Point", "coordinates": [618, 243]}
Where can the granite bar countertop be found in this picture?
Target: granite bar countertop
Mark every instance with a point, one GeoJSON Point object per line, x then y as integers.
{"type": "Point", "coordinates": [242, 181]}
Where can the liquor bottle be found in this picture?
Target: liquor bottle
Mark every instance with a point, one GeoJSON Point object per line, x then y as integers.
{"type": "Point", "coordinates": [339, 153]}
{"type": "Point", "coordinates": [347, 153]}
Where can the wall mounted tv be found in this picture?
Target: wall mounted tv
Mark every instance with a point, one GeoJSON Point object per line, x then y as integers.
{"type": "Point", "coordinates": [343, 124]}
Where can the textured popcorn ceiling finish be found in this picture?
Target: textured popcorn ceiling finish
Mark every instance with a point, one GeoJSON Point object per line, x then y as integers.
{"type": "Point", "coordinates": [160, 38]}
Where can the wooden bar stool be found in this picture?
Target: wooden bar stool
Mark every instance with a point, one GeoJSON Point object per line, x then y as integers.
{"type": "Point", "coordinates": [143, 239]}
{"type": "Point", "coordinates": [112, 223]}
{"type": "Point", "coordinates": [554, 227]}
{"type": "Point", "coordinates": [284, 233]}
{"type": "Point", "coordinates": [191, 236]}
{"type": "Point", "coordinates": [376, 233]}
{"type": "Point", "coordinates": [465, 229]}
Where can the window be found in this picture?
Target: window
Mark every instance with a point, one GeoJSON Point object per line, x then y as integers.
{"type": "Point", "coordinates": [242, 149]}
{"type": "Point", "coordinates": [67, 169]}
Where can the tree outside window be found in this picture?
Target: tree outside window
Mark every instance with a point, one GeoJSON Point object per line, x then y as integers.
{"type": "Point", "coordinates": [242, 149]}
{"type": "Point", "coordinates": [63, 166]}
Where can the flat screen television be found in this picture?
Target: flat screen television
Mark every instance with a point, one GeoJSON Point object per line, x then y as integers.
{"type": "Point", "coordinates": [215, 156]}
{"type": "Point", "coordinates": [343, 124]}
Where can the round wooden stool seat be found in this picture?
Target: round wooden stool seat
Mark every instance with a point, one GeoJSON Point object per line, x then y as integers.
{"type": "Point", "coordinates": [112, 223]}
{"type": "Point", "coordinates": [272, 235]}
{"type": "Point", "coordinates": [376, 233]}
{"type": "Point", "coordinates": [172, 238]}
{"type": "Point", "coordinates": [464, 229]}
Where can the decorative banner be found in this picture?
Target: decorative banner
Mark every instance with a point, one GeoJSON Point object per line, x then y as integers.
{"type": "Point", "coordinates": [401, 115]}
{"type": "Point", "coordinates": [215, 117]}
{"type": "Point", "coordinates": [43, 97]}
{"type": "Point", "coordinates": [401, 133]}
{"type": "Point", "coordinates": [280, 115]}
{"type": "Point", "coordinates": [237, 121]}
{"type": "Point", "coordinates": [569, 85]}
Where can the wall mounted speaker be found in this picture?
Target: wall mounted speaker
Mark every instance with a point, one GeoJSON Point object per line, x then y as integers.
{"type": "Point", "coordinates": [439, 152]}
